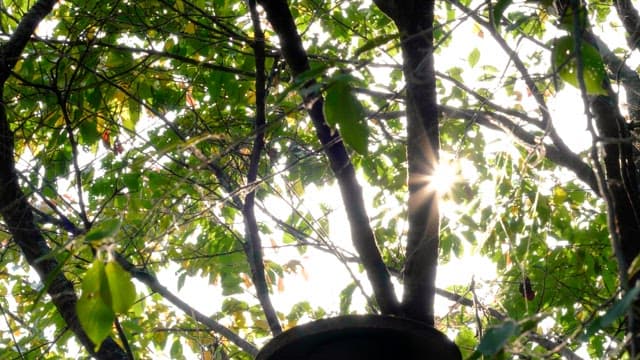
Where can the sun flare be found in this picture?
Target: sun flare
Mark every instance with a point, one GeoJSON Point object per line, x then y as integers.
{"type": "Point", "coordinates": [443, 178]}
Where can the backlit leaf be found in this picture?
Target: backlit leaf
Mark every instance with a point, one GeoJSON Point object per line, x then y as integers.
{"type": "Point", "coordinates": [121, 288]}
{"type": "Point", "coordinates": [343, 108]}
{"type": "Point", "coordinates": [565, 63]}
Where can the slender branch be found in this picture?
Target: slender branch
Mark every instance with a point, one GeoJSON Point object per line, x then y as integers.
{"type": "Point", "coordinates": [279, 15]}
{"type": "Point", "coordinates": [499, 122]}
{"type": "Point", "coordinates": [253, 244]}
{"type": "Point", "coordinates": [524, 72]}
{"type": "Point", "coordinates": [152, 282]}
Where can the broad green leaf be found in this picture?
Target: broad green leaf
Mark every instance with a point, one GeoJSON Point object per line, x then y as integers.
{"type": "Point", "coordinates": [343, 108]}
{"type": "Point", "coordinates": [89, 132]}
{"type": "Point", "coordinates": [474, 56]}
{"type": "Point", "coordinates": [132, 116]}
{"type": "Point", "coordinates": [92, 277]}
{"type": "Point", "coordinates": [355, 133]}
{"type": "Point", "coordinates": [132, 181]}
{"type": "Point", "coordinates": [96, 318]}
{"type": "Point", "coordinates": [103, 230]}
{"type": "Point", "coordinates": [176, 349]}
{"type": "Point", "coordinates": [121, 288]}
{"type": "Point", "coordinates": [497, 337]}
{"type": "Point", "coordinates": [93, 307]}
{"type": "Point", "coordinates": [565, 63]}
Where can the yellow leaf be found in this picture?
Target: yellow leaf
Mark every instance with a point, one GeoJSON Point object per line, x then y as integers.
{"type": "Point", "coordinates": [478, 30]}
{"type": "Point", "coordinates": [190, 28]}
{"type": "Point", "coordinates": [180, 5]}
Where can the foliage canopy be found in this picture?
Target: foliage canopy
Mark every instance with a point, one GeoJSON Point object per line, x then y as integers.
{"type": "Point", "coordinates": [177, 143]}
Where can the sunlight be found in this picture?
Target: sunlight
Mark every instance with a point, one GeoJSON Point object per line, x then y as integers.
{"type": "Point", "coordinates": [443, 178]}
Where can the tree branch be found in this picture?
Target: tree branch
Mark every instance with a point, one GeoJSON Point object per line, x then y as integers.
{"type": "Point", "coordinates": [279, 15]}
{"type": "Point", "coordinates": [631, 21]}
{"type": "Point", "coordinates": [627, 76]}
{"type": "Point", "coordinates": [253, 244]}
{"type": "Point", "coordinates": [496, 121]}
{"type": "Point", "coordinates": [414, 20]}
{"type": "Point", "coordinates": [152, 282]}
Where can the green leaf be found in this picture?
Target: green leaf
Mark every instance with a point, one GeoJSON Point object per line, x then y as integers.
{"type": "Point", "coordinates": [343, 108]}
{"type": "Point", "coordinates": [176, 349]}
{"type": "Point", "coordinates": [95, 281]}
{"type": "Point", "coordinates": [89, 133]}
{"type": "Point", "coordinates": [496, 337]}
{"type": "Point", "coordinates": [93, 307]}
{"type": "Point", "coordinates": [334, 100]}
{"type": "Point", "coordinates": [121, 288]}
{"type": "Point", "coordinates": [105, 229]}
{"type": "Point", "coordinates": [345, 298]}
{"type": "Point", "coordinates": [132, 116]}
{"type": "Point", "coordinates": [565, 63]}
{"type": "Point", "coordinates": [474, 56]}
{"type": "Point", "coordinates": [132, 181]}
{"type": "Point", "coordinates": [96, 318]}
{"type": "Point", "coordinates": [497, 11]}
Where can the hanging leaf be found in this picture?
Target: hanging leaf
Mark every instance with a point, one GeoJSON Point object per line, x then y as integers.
{"type": "Point", "coordinates": [564, 62]}
{"type": "Point", "coordinates": [343, 108]}
{"type": "Point", "coordinates": [96, 318]}
{"type": "Point", "coordinates": [93, 307]}
{"type": "Point", "coordinates": [121, 288]}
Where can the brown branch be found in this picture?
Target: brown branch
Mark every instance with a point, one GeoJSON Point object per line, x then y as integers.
{"type": "Point", "coordinates": [152, 282]}
{"type": "Point", "coordinates": [627, 76]}
{"type": "Point", "coordinates": [253, 244]}
{"type": "Point", "coordinates": [631, 21]}
{"type": "Point", "coordinates": [279, 15]}
{"type": "Point", "coordinates": [414, 20]}
{"type": "Point", "coordinates": [524, 72]}
{"type": "Point", "coordinates": [15, 209]}
{"type": "Point", "coordinates": [496, 121]}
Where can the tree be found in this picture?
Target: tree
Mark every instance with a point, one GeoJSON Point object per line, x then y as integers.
{"type": "Point", "coordinates": [143, 138]}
